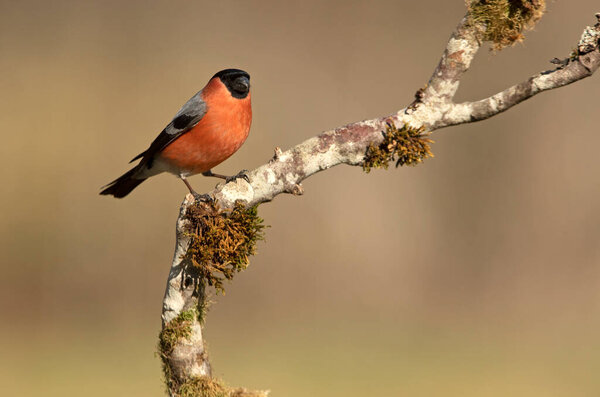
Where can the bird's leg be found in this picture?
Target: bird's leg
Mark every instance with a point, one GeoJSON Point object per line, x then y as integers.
{"type": "Point", "coordinates": [241, 174]}
{"type": "Point", "coordinates": [210, 173]}
{"type": "Point", "coordinates": [197, 196]}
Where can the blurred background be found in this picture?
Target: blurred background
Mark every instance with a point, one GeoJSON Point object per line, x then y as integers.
{"type": "Point", "coordinates": [476, 273]}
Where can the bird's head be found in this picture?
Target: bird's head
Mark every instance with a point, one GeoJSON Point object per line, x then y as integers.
{"type": "Point", "coordinates": [237, 82]}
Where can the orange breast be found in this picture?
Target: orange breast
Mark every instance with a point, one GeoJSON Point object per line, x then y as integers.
{"type": "Point", "coordinates": [218, 135]}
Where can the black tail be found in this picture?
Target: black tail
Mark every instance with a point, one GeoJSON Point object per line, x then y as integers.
{"type": "Point", "coordinates": [122, 186]}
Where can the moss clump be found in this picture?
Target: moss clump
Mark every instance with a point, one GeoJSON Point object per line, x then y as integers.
{"type": "Point", "coordinates": [241, 392]}
{"type": "Point", "coordinates": [574, 54]}
{"type": "Point", "coordinates": [405, 146]}
{"type": "Point", "coordinates": [178, 328]}
{"type": "Point", "coordinates": [204, 386]}
{"type": "Point", "coordinates": [222, 241]}
{"type": "Point", "coordinates": [503, 21]}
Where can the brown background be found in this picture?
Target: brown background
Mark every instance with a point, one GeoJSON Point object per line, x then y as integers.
{"type": "Point", "coordinates": [474, 274]}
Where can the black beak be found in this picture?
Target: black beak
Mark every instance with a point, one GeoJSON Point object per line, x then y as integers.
{"type": "Point", "coordinates": [244, 83]}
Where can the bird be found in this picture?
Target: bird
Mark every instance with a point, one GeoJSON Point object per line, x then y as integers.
{"type": "Point", "coordinates": [206, 131]}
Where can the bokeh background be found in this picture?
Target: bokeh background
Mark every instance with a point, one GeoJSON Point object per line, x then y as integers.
{"type": "Point", "coordinates": [476, 273]}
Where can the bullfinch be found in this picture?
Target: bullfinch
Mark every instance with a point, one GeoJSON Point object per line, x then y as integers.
{"type": "Point", "coordinates": [207, 130]}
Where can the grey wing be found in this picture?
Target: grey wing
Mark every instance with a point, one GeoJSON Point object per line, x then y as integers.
{"type": "Point", "coordinates": [186, 118]}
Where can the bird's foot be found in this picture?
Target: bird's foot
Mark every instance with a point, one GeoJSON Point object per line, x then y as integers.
{"type": "Point", "coordinates": [203, 198]}
{"type": "Point", "coordinates": [242, 174]}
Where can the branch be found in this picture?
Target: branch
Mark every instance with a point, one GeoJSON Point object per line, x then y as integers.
{"type": "Point", "coordinates": [181, 346]}
{"type": "Point", "coordinates": [456, 60]}
{"type": "Point", "coordinates": [348, 144]}
{"type": "Point", "coordinates": [584, 62]}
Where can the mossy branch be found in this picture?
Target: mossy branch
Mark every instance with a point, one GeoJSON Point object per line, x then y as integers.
{"type": "Point", "coordinates": [214, 243]}
{"type": "Point", "coordinates": [173, 333]}
{"type": "Point", "coordinates": [180, 328]}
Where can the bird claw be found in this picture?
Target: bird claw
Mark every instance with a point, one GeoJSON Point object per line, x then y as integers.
{"type": "Point", "coordinates": [242, 174]}
{"type": "Point", "coordinates": [203, 198]}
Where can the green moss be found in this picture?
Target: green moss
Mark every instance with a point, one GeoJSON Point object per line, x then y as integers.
{"type": "Point", "coordinates": [204, 386]}
{"type": "Point", "coordinates": [405, 146]}
{"type": "Point", "coordinates": [502, 21]}
{"type": "Point", "coordinates": [178, 328]}
{"type": "Point", "coordinates": [202, 308]}
{"type": "Point", "coordinates": [222, 241]}
{"type": "Point", "coordinates": [574, 54]}
{"type": "Point", "coordinates": [241, 392]}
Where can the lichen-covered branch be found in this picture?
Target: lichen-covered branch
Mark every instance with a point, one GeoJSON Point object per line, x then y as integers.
{"type": "Point", "coordinates": [398, 137]}
{"type": "Point", "coordinates": [456, 60]}
{"type": "Point", "coordinates": [584, 61]}
{"type": "Point", "coordinates": [181, 346]}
